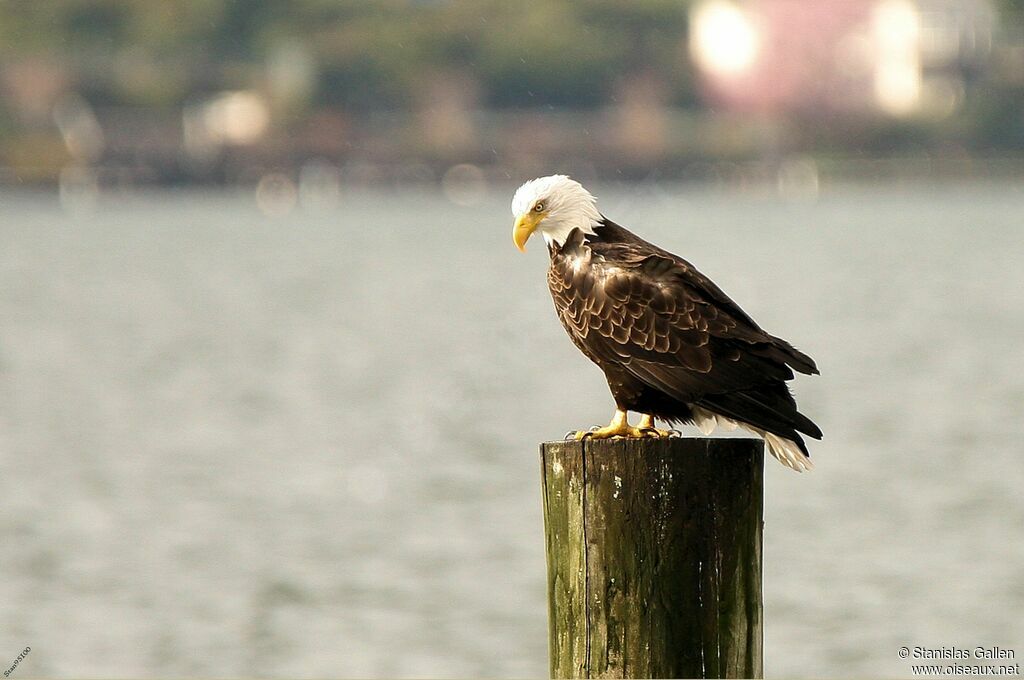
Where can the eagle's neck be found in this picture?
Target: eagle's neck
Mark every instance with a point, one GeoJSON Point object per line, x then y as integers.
{"type": "Point", "coordinates": [564, 221]}
{"type": "Point", "coordinates": [580, 232]}
{"type": "Point", "coordinates": [576, 241]}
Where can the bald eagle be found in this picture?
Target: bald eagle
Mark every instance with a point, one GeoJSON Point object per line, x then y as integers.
{"type": "Point", "coordinates": [672, 345]}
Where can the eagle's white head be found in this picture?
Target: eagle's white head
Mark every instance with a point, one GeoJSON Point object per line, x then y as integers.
{"type": "Point", "coordinates": [554, 206]}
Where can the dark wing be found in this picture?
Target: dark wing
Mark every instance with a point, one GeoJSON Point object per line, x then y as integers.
{"type": "Point", "coordinates": [631, 248]}
{"type": "Point", "coordinates": [655, 316]}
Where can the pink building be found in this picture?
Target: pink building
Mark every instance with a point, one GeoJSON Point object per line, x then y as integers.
{"type": "Point", "coordinates": [894, 57]}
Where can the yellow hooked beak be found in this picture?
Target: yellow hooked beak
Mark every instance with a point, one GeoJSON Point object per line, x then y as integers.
{"type": "Point", "coordinates": [524, 228]}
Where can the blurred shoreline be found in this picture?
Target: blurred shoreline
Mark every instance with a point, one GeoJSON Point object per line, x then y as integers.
{"type": "Point", "coordinates": [319, 185]}
{"type": "Point", "coordinates": [404, 93]}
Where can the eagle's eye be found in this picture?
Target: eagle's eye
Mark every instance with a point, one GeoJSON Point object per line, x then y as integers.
{"type": "Point", "coordinates": [539, 207]}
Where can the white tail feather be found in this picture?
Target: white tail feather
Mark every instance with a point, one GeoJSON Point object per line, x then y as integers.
{"type": "Point", "coordinates": [784, 450]}
{"type": "Point", "coordinates": [787, 452]}
{"type": "Point", "coordinates": [704, 420]}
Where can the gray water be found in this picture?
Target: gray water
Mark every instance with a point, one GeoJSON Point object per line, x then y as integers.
{"type": "Point", "coordinates": [305, 446]}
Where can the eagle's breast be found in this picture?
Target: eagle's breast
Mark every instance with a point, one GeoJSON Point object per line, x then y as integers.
{"type": "Point", "coordinates": [571, 282]}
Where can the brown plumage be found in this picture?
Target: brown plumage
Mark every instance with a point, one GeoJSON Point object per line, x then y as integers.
{"type": "Point", "coordinates": [669, 341]}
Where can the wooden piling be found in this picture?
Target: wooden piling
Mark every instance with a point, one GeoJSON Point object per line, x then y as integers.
{"type": "Point", "coordinates": [654, 557]}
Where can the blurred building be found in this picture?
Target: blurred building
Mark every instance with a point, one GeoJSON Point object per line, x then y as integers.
{"type": "Point", "coordinates": [898, 58]}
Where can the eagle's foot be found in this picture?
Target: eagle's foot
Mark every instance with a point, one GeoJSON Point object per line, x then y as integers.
{"type": "Point", "coordinates": [577, 435]}
{"type": "Point", "coordinates": [619, 427]}
{"type": "Point", "coordinates": [660, 434]}
{"type": "Point", "coordinates": [611, 431]}
{"type": "Point", "coordinates": [646, 426]}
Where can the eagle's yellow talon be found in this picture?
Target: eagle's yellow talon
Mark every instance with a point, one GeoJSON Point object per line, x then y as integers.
{"type": "Point", "coordinates": [612, 432]}
{"type": "Point", "coordinates": [619, 427]}
{"type": "Point", "coordinates": [649, 430]}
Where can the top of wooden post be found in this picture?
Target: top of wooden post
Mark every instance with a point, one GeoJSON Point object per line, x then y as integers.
{"type": "Point", "coordinates": [674, 442]}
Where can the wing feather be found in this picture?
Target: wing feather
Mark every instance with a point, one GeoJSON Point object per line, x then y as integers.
{"type": "Point", "coordinates": [654, 315]}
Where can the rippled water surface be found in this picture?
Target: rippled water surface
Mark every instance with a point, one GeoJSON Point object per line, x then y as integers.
{"type": "Point", "coordinates": [305, 446]}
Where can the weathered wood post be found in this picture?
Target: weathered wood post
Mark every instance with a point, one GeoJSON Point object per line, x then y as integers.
{"type": "Point", "coordinates": [654, 557]}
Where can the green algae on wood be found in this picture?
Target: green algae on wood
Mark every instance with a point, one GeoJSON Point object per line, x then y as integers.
{"type": "Point", "coordinates": [654, 557]}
